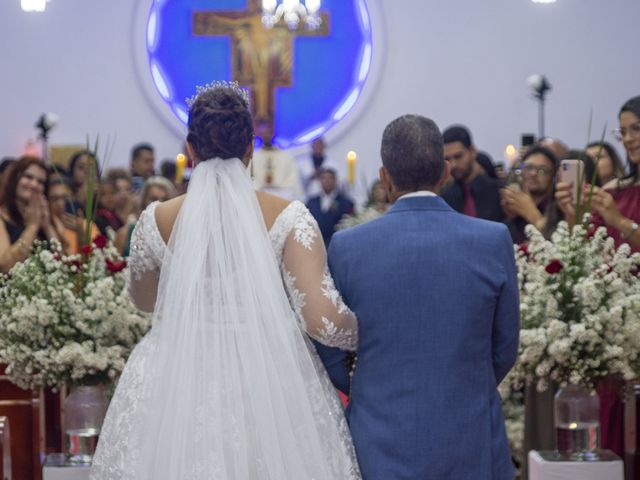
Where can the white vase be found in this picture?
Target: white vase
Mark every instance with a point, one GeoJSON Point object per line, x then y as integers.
{"type": "Point", "coordinates": [84, 411]}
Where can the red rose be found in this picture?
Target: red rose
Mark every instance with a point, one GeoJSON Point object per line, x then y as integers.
{"type": "Point", "coordinates": [115, 267]}
{"type": "Point", "coordinates": [86, 250]}
{"type": "Point", "coordinates": [524, 248]}
{"type": "Point", "coordinates": [100, 241]}
{"type": "Point", "coordinates": [555, 266]}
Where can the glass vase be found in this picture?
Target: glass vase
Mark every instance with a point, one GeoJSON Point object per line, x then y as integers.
{"type": "Point", "coordinates": [577, 423]}
{"type": "Point", "coordinates": [84, 411]}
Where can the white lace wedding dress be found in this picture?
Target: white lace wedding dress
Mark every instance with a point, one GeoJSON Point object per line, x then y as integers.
{"type": "Point", "coordinates": [227, 385]}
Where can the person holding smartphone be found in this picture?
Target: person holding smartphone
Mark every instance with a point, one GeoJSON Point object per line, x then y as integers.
{"type": "Point", "coordinates": [528, 204]}
{"type": "Point", "coordinates": [617, 204]}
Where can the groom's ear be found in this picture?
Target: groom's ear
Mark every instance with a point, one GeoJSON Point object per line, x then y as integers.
{"type": "Point", "coordinates": [385, 179]}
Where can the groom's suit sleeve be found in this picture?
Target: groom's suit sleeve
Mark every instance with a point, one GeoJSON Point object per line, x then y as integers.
{"type": "Point", "coordinates": [334, 359]}
{"type": "Point", "coordinates": [506, 321]}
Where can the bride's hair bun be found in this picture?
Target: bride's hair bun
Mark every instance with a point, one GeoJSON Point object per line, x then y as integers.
{"type": "Point", "coordinates": [220, 123]}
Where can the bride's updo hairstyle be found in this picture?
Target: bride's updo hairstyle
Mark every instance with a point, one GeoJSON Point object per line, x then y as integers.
{"type": "Point", "coordinates": [220, 123]}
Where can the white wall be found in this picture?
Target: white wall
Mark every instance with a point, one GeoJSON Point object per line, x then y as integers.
{"type": "Point", "coordinates": [453, 60]}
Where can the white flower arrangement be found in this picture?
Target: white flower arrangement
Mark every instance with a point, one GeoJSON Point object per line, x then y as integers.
{"type": "Point", "coordinates": [580, 309]}
{"type": "Point", "coordinates": [67, 319]}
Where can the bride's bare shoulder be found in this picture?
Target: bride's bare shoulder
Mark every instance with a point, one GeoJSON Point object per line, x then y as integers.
{"type": "Point", "coordinates": [271, 206]}
{"type": "Point", "coordinates": [166, 213]}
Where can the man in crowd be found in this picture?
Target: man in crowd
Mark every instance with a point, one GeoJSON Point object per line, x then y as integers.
{"type": "Point", "coordinates": [528, 204]}
{"type": "Point", "coordinates": [472, 191]}
{"type": "Point", "coordinates": [311, 167]}
{"type": "Point", "coordinates": [142, 164]}
{"type": "Point", "coordinates": [330, 206]}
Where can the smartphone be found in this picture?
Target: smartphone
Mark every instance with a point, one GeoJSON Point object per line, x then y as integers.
{"type": "Point", "coordinates": [527, 139]}
{"type": "Point", "coordinates": [571, 171]}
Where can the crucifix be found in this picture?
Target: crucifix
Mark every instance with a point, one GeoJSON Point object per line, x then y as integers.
{"type": "Point", "coordinates": [262, 58]}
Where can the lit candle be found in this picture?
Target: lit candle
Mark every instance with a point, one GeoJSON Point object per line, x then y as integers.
{"type": "Point", "coordinates": [351, 167]}
{"type": "Point", "coordinates": [510, 154]}
{"type": "Point", "coordinates": [181, 161]}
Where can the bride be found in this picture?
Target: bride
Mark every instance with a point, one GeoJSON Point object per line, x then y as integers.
{"type": "Point", "coordinates": [227, 385]}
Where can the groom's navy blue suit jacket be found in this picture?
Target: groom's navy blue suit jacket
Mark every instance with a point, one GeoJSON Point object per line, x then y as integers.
{"type": "Point", "coordinates": [436, 297]}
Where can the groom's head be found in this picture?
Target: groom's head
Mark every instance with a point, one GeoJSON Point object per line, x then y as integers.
{"type": "Point", "coordinates": [412, 156]}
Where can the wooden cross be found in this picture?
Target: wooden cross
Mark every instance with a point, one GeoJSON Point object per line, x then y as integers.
{"type": "Point", "coordinates": [262, 58]}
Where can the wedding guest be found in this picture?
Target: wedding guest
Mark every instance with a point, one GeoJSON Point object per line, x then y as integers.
{"type": "Point", "coordinates": [501, 174]}
{"type": "Point", "coordinates": [378, 198]}
{"type": "Point", "coordinates": [168, 170]}
{"type": "Point", "coordinates": [78, 174]}
{"type": "Point", "coordinates": [310, 167]}
{"type": "Point", "coordinates": [330, 206]}
{"type": "Point", "coordinates": [487, 164]}
{"type": "Point", "coordinates": [5, 163]}
{"type": "Point", "coordinates": [125, 200]}
{"type": "Point", "coordinates": [610, 166]}
{"type": "Point", "coordinates": [553, 213]}
{"type": "Point", "coordinates": [472, 192]}
{"type": "Point", "coordinates": [71, 227]}
{"type": "Point", "coordinates": [24, 211]}
{"type": "Point", "coordinates": [155, 189]}
{"type": "Point", "coordinates": [106, 217]}
{"type": "Point", "coordinates": [617, 204]}
{"type": "Point", "coordinates": [142, 164]}
{"type": "Point", "coordinates": [528, 205]}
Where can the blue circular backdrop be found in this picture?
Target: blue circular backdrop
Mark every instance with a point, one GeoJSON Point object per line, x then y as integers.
{"type": "Point", "coordinates": [328, 72]}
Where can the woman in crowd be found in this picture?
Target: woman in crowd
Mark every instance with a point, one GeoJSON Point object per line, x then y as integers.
{"type": "Point", "coordinates": [378, 197]}
{"type": "Point", "coordinates": [554, 213]}
{"type": "Point", "coordinates": [24, 211]}
{"type": "Point", "coordinates": [125, 200]}
{"type": "Point", "coordinates": [155, 189]}
{"type": "Point", "coordinates": [78, 175]}
{"type": "Point", "coordinates": [617, 204]}
{"type": "Point", "coordinates": [70, 226]}
{"type": "Point", "coordinates": [610, 166]}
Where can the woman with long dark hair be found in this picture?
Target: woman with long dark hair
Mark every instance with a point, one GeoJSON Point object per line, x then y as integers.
{"type": "Point", "coordinates": [24, 211]}
{"type": "Point", "coordinates": [616, 205]}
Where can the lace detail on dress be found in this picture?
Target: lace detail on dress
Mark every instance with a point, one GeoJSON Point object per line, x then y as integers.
{"type": "Point", "coordinates": [281, 228]}
{"type": "Point", "coordinates": [304, 229]}
{"type": "Point", "coordinates": [331, 293]}
{"type": "Point", "coordinates": [296, 297]}
{"type": "Point", "coordinates": [147, 246]}
{"type": "Point", "coordinates": [309, 285]}
{"type": "Point", "coordinates": [344, 338]}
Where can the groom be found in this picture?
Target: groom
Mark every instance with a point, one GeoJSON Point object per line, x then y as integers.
{"type": "Point", "coordinates": [436, 296]}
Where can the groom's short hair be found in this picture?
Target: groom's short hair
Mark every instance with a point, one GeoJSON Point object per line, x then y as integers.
{"type": "Point", "coordinates": [412, 152]}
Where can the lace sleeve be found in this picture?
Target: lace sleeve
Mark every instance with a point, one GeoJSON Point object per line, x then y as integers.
{"type": "Point", "coordinates": [145, 261]}
{"type": "Point", "coordinates": [325, 316]}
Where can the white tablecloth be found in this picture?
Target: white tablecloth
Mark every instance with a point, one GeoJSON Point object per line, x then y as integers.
{"type": "Point", "coordinates": [65, 473]}
{"type": "Point", "coordinates": [541, 469]}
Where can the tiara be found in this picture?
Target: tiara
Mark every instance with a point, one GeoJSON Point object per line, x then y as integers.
{"type": "Point", "coordinates": [235, 86]}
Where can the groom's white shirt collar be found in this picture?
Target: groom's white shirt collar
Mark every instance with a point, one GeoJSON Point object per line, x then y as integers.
{"type": "Point", "coordinates": [421, 193]}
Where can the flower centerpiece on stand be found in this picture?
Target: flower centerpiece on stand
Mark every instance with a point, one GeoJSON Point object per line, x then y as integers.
{"type": "Point", "coordinates": [580, 311]}
{"type": "Point", "coordinates": [67, 320]}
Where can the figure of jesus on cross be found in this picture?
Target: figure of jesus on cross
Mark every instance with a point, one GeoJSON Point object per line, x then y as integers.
{"type": "Point", "coordinates": [262, 58]}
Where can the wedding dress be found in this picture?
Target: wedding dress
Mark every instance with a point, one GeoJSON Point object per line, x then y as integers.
{"type": "Point", "coordinates": [227, 385]}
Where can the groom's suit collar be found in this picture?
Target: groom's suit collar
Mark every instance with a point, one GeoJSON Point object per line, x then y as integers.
{"type": "Point", "coordinates": [420, 203]}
